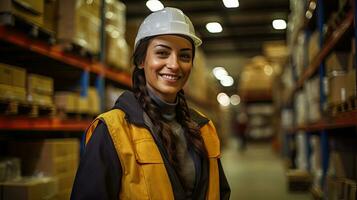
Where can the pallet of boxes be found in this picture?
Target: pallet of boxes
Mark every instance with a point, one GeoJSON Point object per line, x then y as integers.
{"type": "Point", "coordinates": [71, 104]}
{"type": "Point", "coordinates": [25, 94]}
{"type": "Point", "coordinates": [39, 169]}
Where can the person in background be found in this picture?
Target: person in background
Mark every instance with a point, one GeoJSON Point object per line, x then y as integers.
{"type": "Point", "coordinates": [151, 145]}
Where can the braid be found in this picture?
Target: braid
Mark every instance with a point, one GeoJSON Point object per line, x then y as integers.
{"type": "Point", "coordinates": [193, 134]}
{"type": "Point", "coordinates": [164, 130]}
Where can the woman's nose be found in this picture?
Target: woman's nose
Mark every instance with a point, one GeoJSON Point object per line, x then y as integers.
{"type": "Point", "coordinates": [173, 62]}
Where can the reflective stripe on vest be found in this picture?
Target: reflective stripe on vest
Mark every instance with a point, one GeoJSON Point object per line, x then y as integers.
{"type": "Point", "coordinates": [144, 172]}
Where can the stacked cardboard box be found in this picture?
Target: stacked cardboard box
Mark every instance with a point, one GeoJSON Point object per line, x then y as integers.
{"type": "Point", "coordinates": [56, 158]}
{"type": "Point", "coordinates": [116, 46]}
{"type": "Point", "coordinates": [87, 24]}
{"type": "Point", "coordinates": [40, 89]}
{"type": "Point", "coordinates": [72, 102]}
{"type": "Point", "coordinates": [30, 188]}
{"type": "Point", "coordinates": [29, 10]}
{"type": "Point", "coordinates": [10, 169]}
{"type": "Point", "coordinates": [12, 82]}
{"type": "Point", "coordinates": [66, 101]}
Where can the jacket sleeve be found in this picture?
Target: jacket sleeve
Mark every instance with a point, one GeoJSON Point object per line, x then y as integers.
{"type": "Point", "coordinates": [225, 190]}
{"type": "Point", "coordinates": [99, 173]}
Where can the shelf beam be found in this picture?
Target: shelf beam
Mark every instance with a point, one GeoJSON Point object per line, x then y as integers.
{"type": "Point", "coordinates": [42, 124]}
{"type": "Point", "coordinates": [346, 119]}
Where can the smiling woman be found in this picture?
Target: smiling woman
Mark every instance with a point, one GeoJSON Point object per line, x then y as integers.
{"type": "Point", "coordinates": [151, 145]}
{"type": "Point", "coordinates": [167, 65]}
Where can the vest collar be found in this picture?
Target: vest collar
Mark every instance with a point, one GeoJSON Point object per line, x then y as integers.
{"type": "Point", "coordinates": [134, 112]}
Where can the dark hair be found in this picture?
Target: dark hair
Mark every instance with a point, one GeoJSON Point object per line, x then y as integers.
{"type": "Point", "coordinates": [192, 132]}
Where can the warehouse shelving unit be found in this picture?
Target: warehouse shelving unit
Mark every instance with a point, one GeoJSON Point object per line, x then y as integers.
{"type": "Point", "coordinates": [56, 53]}
{"type": "Point", "coordinates": [329, 122]}
{"type": "Point", "coordinates": [82, 67]}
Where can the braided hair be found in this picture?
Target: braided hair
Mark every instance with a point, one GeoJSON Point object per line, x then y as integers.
{"type": "Point", "coordinates": [191, 129]}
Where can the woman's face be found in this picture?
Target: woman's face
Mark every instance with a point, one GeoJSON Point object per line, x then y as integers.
{"type": "Point", "coordinates": [167, 65]}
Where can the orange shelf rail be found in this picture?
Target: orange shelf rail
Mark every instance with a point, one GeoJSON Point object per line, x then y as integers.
{"type": "Point", "coordinates": [55, 52]}
{"type": "Point", "coordinates": [326, 49]}
{"type": "Point", "coordinates": [42, 124]}
{"type": "Point", "coordinates": [345, 119]}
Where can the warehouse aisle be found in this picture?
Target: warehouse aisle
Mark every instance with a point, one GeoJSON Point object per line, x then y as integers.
{"type": "Point", "coordinates": [257, 174]}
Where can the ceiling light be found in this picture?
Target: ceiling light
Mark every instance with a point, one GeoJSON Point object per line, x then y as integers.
{"type": "Point", "coordinates": [219, 72]}
{"type": "Point", "coordinates": [268, 70]}
{"type": "Point", "coordinates": [231, 3]}
{"type": "Point", "coordinates": [235, 100]}
{"type": "Point", "coordinates": [312, 5]}
{"type": "Point", "coordinates": [308, 14]}
{"type": "Point", "coordinates": [279, 24]}
{"type": "Point", "coordinates": [214, 27]}
{"type": "Point", "coordinates": [227, 81]}
{"type": "Point", "coordinates": [154, 5]}
{"type": "Point", "coordinates": [223, 99]}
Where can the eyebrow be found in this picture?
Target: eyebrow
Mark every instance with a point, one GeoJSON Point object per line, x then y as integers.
{"type": "Point", "coordinates": [167, 47]}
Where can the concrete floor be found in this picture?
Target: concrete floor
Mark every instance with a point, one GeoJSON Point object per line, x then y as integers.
{"type": "Point", "coordinates": [257, 174]}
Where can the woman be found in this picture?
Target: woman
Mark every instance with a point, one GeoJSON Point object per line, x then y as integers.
{"type": "Point", "coordinates": [151, 145]}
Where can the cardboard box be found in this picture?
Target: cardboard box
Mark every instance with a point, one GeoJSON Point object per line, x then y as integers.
{"type": "Point", "coordinates": [10, 169]}
{"type": "Point", "coordinates": [337, 82]}
{"type": "Point", "coordinates": [12, 75]}
{"type": "Point", "coordinates": [314, 45]}
{"type": "Point", "coordinates": [351, 83]}
{"type": "Point", "coordinates": [64, 195]}
{"type": "Point", "coordinates": [337, 61]}
{"type": "Point", "coordinates": [115, 15]}
{"type": "Point", "coordinates": [49, 157]}
{"type": "Point", "coordinates": [92, 7]}
{"type": "Point", "coordinates": [83, 105]}
{"type": "Point", "coordinates": [65, 24]}
{"type": "Point", "coordinates": [9, 92]}
{"type": "Point", "coordinates": [30, 188]}
{"type": "Point", "coordinates": [87, 30]}
{"type": "Point", "coordinates": [93, 101]}
{"type": "Point", "coordinates": [65, 181]}
{"type": "Point", "coordinates": [29, 10]}
{"type": "Point", "coordinates": [50, 16]}
{"type": "Point", "coordinates": [66, 101]}
{"type": "Point", "coordinates": [117, 51]}
{"type": "Point", "coordinates": [39, 84]}
{"type": "Point", "coordinates": [39, 99]}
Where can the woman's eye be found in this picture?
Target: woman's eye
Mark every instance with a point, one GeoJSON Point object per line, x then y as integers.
{"type": "Point", "coordinates": [162, 53]}
{"type": "Point", "coordinates": [186, 56]}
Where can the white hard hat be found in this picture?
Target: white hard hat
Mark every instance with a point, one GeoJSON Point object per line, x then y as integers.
{"type": "Point", "coordinates": [167, 21]}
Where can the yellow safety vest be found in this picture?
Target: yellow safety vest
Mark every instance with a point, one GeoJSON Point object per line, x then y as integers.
{"type": "Point", "coordinates": [144, 173]}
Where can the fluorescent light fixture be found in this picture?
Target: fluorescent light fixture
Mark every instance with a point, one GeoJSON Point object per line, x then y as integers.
{"type": "Point", "coordinates": [231, 3]}
{"type": "Point", "coordinates": [268, 70]}
{"type": "Point", "coordinates": [214, 27]}
{"type": "Point", "coordinates": [227, 81]}
{"type": "Point", "coordinates": [279, 24]}
{"type": "Point", "coordinates": [154, 5]}
{"type": "Point", "coordinates": [308, 14]}
{"type": "Point", "coordinates": [223, 99]}
{"type": "Point", "coordinates": [219, 72]}
{"type": "Point", "coordinates": [312, 5]}
{"type": "Point", "coordinates": [235, 100]}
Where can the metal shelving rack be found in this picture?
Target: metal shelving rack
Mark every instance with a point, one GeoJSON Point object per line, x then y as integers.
{"type": "Point", "coordinates": [329, 122]}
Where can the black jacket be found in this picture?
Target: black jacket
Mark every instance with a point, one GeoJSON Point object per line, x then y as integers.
{"type": "Point", "coordinates": [99, 173]}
